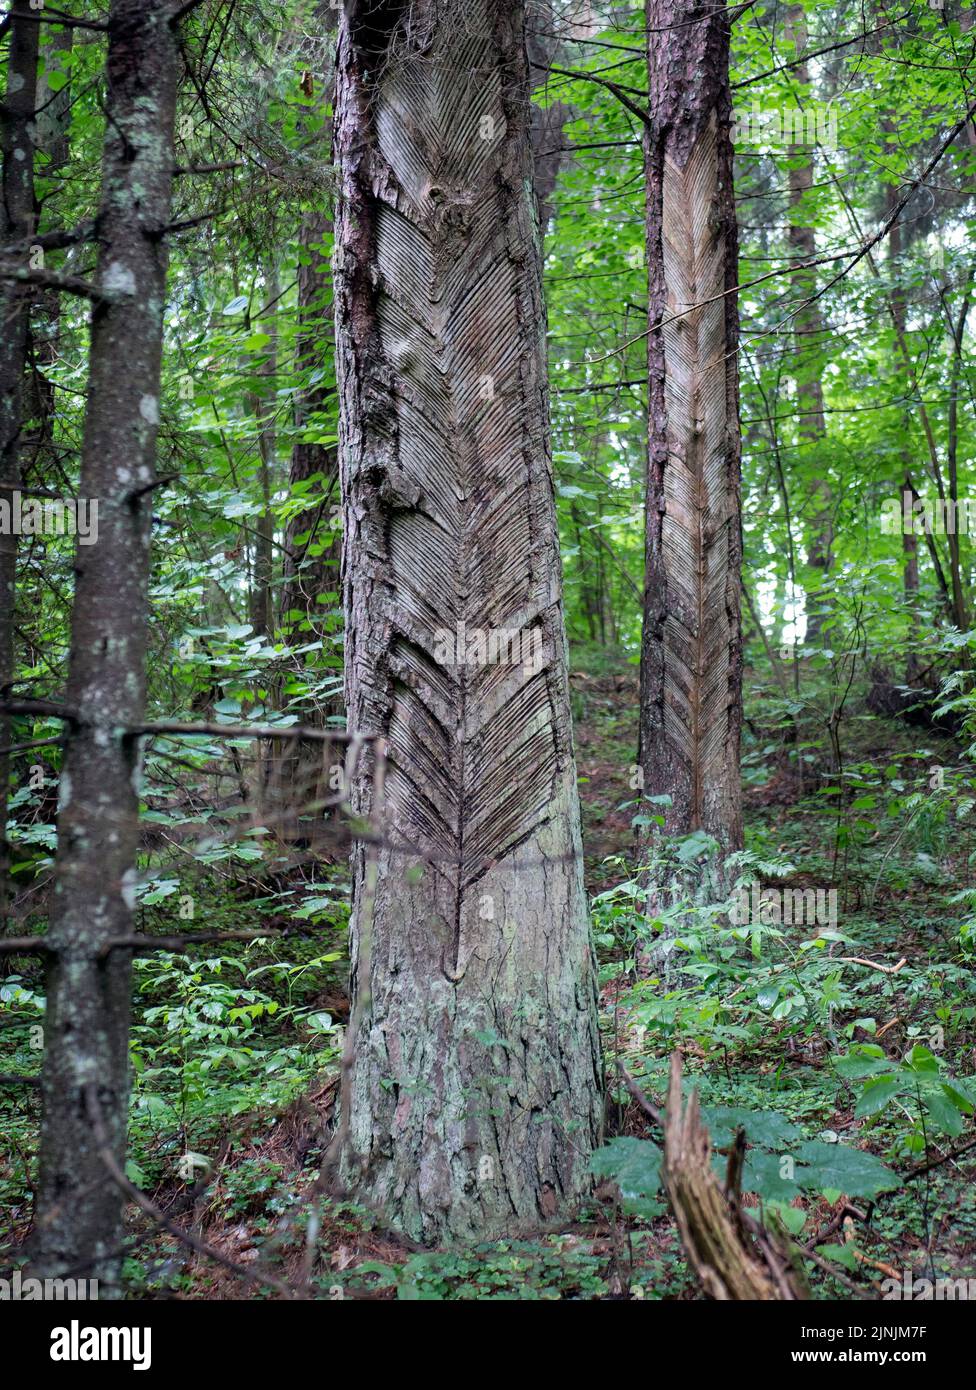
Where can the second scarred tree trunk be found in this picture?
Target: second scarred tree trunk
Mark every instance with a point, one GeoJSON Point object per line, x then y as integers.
{"type": "Point", "coordinates": [475, 1096]}
{"type": "Point", "coordinates": [691, 655]}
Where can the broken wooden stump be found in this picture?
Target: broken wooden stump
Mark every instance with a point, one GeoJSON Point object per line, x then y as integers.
{"type": "Point", "coordinates": [733, 1256]}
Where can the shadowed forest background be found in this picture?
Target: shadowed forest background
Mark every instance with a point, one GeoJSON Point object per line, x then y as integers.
{"type": "Point", "coordinates": [289, 332]}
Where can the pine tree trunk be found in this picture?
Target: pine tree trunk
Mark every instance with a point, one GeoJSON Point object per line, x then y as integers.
{"type": "Point", "coordinates": [78, 1226]}
{"type": "Point", "coordinates": [691, 655]}
{"type": "Point", "coordinates": [475, 1095]}
{"type": "Point", "coordinates": [16, 226]}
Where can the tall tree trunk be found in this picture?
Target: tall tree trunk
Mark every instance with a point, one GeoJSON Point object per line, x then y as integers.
{"type": "Point", "coordinates": [808, 335]}
{"type": "Point", "coordinates": [312, 557]}
{"type": "Point", "coordinates": [52, 144]}
{"type": "Point", "coordinates": [545, 123]}
{"type": "Point", "coordinates": [691, 653]}
{"type": "Point", "coordinates": [313, 547]}
{"type": "Point", "coordinates": [263, 405]}
{"type": "Point", "coordinates": [79, 1210]}
{"type": "Point", "coordinates": [307, 576]}
{"type": "Point", "coordinates": [475, 1090]}
{"type": "Point", "coordinates": [16, 226]}
{"type": "Point", "coordinates": [909, 541]}
{"type": "Point", "coordinates": [312, 563]}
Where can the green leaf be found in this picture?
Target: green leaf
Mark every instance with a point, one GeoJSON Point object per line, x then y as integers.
{"type": "Point", "coordinates": [792, 1218]}
{"type": "Point", "coordinates": [841, 1255]}
{"type": "Point", "coordinates": [765, 1128]}
{"type": "Point", "coordinates": [865, 1060]}
{"type": "Point", "coordinates": [876, 1094]}
{"type": "Point", "coordinates": [695, 845]}
{"type": "Point", "coordinates": [320, 1023]}
{"type": "Point", "coordinates": [852, 1171]}
{"type": "Point", "coordinates": [633, 1164]}
{"type": "Point", "coordinates": [922, 1060]}
{"type": "Point", "coordinates": [762, 1173]}
{"type": "Point", "coordinates": [944, 1114]}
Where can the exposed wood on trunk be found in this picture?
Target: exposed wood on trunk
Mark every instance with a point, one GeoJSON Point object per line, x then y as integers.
{"type": "Point", "coordinates": [691, 656]}
{"type": "Point", "coordinates": [476, 1088]}
{"type": "Point", "coordinates": [87, 1020]}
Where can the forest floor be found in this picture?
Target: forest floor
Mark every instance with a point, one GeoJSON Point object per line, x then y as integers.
{"type": "Point", "coordinates": [761, 1019]}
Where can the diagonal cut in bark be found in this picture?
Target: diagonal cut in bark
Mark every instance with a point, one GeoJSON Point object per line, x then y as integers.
{"type": "Point", "coordinates": [475, 1094]}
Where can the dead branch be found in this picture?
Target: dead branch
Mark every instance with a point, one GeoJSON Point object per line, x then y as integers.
{"type": "Point", "coordinates": [733, 1256]}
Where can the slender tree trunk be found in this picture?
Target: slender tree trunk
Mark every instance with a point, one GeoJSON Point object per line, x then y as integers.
{"type": "Point", "coordinates": [691, 654]}
{"type": "Point", "coordinates": [52, 140]}
{"type": "Point", "coordinates": [957, 332]}
{"type": "Point", "coordinates": [79, 1210]}
{"type": "Point", "coordinates": [307, 576]}
{"type": "Point", "coordinates": [313, 552]}
{"type": "Point", "coordinates": [808, 333]}
{"type": "Point", "coordinates": [475, 1091]}
{"type": "Point", "coordinates": [313, 547]}
{"type": "Point", "coordinates": [545, 123]}
{"type": "Point", "coordinates": [16, 225]}
{"type": "Point", "coordinates": [263, 407]}
{"type": "Point", "coordinates": [909, 541]}
{"type": "Point", "coordinates": [588, 601]}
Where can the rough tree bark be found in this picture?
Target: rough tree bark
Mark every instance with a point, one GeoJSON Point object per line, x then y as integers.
{"type": "Point", "coordinates": [78, 1225]}
{"type": "Point", "coordinates": [16, 226]}
{"type": "Point", "coordinates": [691, 653]}
{"type": "Point", "coordinates": [475, 1091]}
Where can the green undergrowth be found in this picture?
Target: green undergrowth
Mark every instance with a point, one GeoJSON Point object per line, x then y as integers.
{"type": "Point", "coordinates": [841, 1048]}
